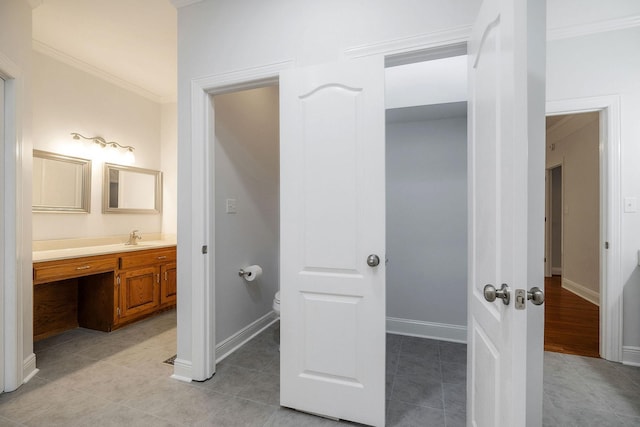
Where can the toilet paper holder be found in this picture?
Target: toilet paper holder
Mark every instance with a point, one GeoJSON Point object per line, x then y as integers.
{"type": "Point", "coordinates": [250, 273]}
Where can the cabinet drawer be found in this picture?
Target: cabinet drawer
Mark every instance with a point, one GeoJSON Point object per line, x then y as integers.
{"type": "Point", "coordinates": [143, 258]}
{"type": "Point", "coordinates": [60, 270]}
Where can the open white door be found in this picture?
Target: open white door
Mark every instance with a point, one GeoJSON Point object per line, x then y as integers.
{"type": "Point", "coordinates": [332, 346]}
{"type": "Point", "coordinates": [506, 212]}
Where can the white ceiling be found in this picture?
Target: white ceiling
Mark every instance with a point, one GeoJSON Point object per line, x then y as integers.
{"type": "Point", "coordinates": [439, 81]}
{"type": "Point", "coordinates": [132, 43]}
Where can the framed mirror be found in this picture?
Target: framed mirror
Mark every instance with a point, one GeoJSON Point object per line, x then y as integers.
{"type": "Point", "coordinates": [61, 183]}
{"type": "Point", "coordinates": [127, 189]}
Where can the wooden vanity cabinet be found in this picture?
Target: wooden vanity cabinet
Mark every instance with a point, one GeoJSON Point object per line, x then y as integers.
{"type": "Point", "coordinates": [74, 292]}
{"type": "Point", "coordinates": [145, 279]}
{"type": "Point", "coordinates": [102, 292]}
{"type": "Point", "coordinates": [168, 284]}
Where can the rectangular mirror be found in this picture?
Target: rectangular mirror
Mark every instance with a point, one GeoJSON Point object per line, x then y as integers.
{"type": "Point", "coordinates": [61, 183]}
{"type": "Point", "coordinates": [131, 190]}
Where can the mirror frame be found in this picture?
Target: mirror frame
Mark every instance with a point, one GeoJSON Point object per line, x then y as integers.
{"type": "Point", "coordinates": [85, 196]}
{"type": "Point", "coordinates": [106, 190]}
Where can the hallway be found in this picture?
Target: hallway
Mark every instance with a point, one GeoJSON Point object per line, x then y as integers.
{"type": "Point", "coordinates": [571, 323]}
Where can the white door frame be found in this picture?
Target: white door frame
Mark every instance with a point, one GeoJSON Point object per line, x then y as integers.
{"type": "Point", "coordinates": [611, 286]}
{"type": "Point", "coordinates": [11, 232]}
{"type": "Point", "coordinates": [547, 223]}
{"type": "Point", "coordinates": [200, 331]}
{"type": "Point", "coordinates": [549, 215]}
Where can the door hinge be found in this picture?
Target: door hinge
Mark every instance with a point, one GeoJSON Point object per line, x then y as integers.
{"type": "Point", "coordinates": [118, 280]}
{"type": "Point", "coordinates": [118, 311]}
{"type": "Point", "coordinates": [606, 245]}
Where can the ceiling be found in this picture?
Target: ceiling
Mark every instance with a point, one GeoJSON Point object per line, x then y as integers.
{"type": "Point", "coordinates": [132, 43]}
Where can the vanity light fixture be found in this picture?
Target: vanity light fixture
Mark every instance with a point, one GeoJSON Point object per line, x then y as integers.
{"type": "Point", "coordinates": [129, 156]}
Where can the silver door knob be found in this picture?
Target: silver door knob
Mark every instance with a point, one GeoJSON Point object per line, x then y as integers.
{"type": "Point", "coordinates": [373, 260]}
{"type": "Point", "coordinates": [536, 295]}
{"type": "Point", "coordinates": [491, 293]}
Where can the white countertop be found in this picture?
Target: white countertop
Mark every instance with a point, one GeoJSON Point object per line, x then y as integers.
{"type": "Point", "coordinates": [66, 253]}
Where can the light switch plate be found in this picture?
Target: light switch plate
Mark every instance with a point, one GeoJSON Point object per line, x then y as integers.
{"type": "Point", "coordinates": [232, 206]}
{"type": "Point", "coordinates": [630, 204]}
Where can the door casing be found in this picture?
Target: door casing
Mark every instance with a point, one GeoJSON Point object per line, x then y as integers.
{"type": "Point", "coordinates": [611, 287]}
{"type": "Point", "coordinates": [15, 289]}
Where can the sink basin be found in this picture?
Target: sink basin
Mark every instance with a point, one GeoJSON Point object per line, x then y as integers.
{"type": "Point", "coordinates": [148, 244]}
{"type": "Point", "coordinates": [48, 255]}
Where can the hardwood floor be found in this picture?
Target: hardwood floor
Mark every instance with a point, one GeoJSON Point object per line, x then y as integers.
{"type": "Point", "coordinates": [571, 324]}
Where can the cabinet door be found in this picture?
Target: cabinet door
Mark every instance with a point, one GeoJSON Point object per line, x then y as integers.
{"type": "Point", "coordinates": [139, 290]}
{"type": "Point", "coordinates": [168, 283]}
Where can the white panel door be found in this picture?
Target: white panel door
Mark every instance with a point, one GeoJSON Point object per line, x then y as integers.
{"type": "Point", "coordinates": [506, 218]}
{"type": "Point", "coordinates": [332, 148]}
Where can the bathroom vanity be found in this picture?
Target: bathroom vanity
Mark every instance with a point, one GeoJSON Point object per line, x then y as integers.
{"type": "Point", "coordinates": [102, 287]}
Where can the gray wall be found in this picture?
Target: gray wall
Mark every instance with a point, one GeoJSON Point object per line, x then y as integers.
{"type": "Point", "coordinates": [427, 220]}
{"type": "Point", "coordinates": [246, 169]}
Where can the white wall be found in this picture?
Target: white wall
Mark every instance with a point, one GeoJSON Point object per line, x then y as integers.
{"type": "Point", "coordinates": [608, 64]}
{"type": "Point", "coordinates": [268, 32]}
{"type": "Point", "coordinates": [426, 181]}
{"type": "Point", "coordinates": [67, 100]}
{"type": "Point", "coordinates": [577, 149]}
{"type": "Point", "coordinates": [15, 47]}
{"type": "Point", "coordinates": [218, 36]}
{"type": "Point", "coordinates": [246, 170]}
{"type": "Point", "coordinates": [169, 167]}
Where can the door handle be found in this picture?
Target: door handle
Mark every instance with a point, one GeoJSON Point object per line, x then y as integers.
{"type": "Point", "coordinates": [491, 293]}
{"type": "Point", "coordinates": [373, 260]}
{"type": "Point", "coordinates": [536, 295]}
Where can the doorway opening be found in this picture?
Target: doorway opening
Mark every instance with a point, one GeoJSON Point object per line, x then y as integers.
{"type": "Point", "coordinates": [426, 234]}
{"type": "Point", "coordinates": [572, 234]}
{"type": "Point", "coordinates": [246, 213]}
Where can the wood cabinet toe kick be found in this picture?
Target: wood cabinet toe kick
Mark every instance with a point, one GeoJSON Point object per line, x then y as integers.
{"type": "Point", "coordinates": [102, 292]}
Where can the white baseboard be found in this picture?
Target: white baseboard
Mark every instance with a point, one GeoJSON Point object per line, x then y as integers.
{"type": "Point", "coordinates": [29, 369]}
{"type": "Point", "coordinates": [235, 341]}
{"type": "Point", "coordinates": [631, 355]}
{"type": "Point", "coordinates": [556, 271]}
{"type": "Point", "coordinates": [581, 291]}
{"type": "Point", "coordinates": [418, 328]}
{"type": "Point", "coordinates": [182, 370]}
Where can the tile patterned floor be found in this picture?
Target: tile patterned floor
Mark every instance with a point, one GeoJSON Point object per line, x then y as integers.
{"type": "Point", "coordinates": [94, 379]}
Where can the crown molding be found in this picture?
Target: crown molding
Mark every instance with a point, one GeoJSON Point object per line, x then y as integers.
{"type": "Point", "coordinates": [183, 3]}
{"type": "Point", "coordinates": [34, 3]}
{"type": "Point", "coordinates": [45, 49]}
{"type": "Point", "coordinates": [455, 37]}
{"type": "Point", "coordinates": [593, 28]}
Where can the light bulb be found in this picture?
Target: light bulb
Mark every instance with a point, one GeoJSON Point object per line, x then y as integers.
{"type": "Point", "coordinates": [129, 157]}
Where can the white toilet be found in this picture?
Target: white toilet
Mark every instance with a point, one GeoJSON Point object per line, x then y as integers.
{"type": "Point", "coordinates": [276, 303]}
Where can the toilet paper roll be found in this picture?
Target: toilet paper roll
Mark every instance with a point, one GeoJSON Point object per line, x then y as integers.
{"type": "Point", "coordinates": [252, 272]}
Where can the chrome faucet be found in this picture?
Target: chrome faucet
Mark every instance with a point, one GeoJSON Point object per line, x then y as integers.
{"type": "Point", "coordinates": [134, 236]}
